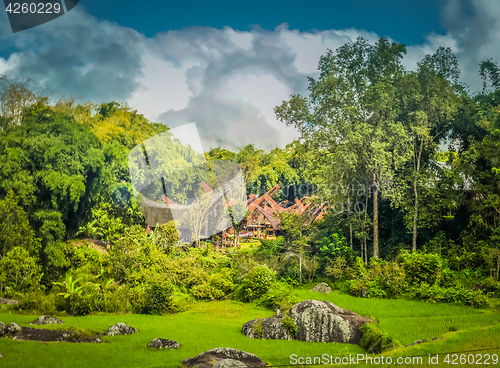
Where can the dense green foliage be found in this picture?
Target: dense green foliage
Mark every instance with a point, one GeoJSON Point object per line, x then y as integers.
{"type": "Point", "coordinates": [404, 219]}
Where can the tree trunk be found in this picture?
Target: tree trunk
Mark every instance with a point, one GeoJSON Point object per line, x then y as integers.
{"type": "Point", "coordinates": [415, 191]}
{"type": "Point", "coordinates": [375, 217]}
{"type": "Point", "coordinates": [366, 253]}
{"type": "Point", "coordinates": [350, 231]}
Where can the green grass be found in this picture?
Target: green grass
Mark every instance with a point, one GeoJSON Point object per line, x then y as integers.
{"type": "Point", "coordinates": [208, 325]}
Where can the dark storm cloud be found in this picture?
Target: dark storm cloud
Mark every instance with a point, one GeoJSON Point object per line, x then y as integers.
{"type": "Point", "coordinates": [78, 55]}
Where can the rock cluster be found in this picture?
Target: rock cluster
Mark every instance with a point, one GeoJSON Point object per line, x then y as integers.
{"type": "Point", "coordinates": [317, 321]}
{"type": "Point", "coordinates": [120, 329]}
{"type": "Point", "coordinates": [163, 344]}
{"type": "Point", "coordinates": [224, 358]}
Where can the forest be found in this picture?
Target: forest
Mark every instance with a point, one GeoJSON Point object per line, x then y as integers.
{"type": "Point", "coordinates": [407, 162]}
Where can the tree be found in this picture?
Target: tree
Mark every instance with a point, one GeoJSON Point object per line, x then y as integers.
{"type": "Point", "coordinates": [350, 117]}
{"type": "Point", "coordinates": [15, 96]}
{"type": "Point", "coordinates": [15, 229]}
{"type": "Point", "coordinates": [428, 104]}
{"type": "Point", "coordinates": [18, 270]}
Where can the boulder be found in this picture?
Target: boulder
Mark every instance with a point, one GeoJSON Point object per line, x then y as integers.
{"type": "Point", "coordinates": [323, 321]}
{"type": "Point", "coordinates": [120, 329]}
{"type": "Point", "coordinates": [2, 328]}
{"type": "Point", "coordinates": [230, 363]}
{"type": "Point", "coordinates": [208, 358]}
{"type": "Point", "coordinates": [8, 301]}
{"type": "Point", "coordinates": [46, 320]}
{"type": "Point", "coordinates": [13, 327]}
{"type": "Point", "coordinates": [267, 328]}
{"type": "Point", "coordinates": [317, 321]}
{"type": "Point", "coordinates": [322, 287]}
{"type": "Point", "coordinates": [163, 344]}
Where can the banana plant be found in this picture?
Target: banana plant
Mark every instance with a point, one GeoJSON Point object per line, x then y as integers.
{"type": "Point", "coordinates": [71, 288]}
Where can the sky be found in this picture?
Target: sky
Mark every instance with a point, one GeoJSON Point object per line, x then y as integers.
{"type": "Point", "coordinates": [226, 64]}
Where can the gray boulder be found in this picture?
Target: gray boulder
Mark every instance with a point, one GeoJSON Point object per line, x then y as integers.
{"type": "Point", "coordinates": [322, 287]}
{"type": "Point", "coordinates": [13, 327]}
{"type": "Point", "coordinates": [267, 328]}
{"type": "Point", "coordinates": [230, 363]}
{"type": "Point", "coordinates": [2, 328]}
{"type": "Point", "coordinates": [8, 301]}
{"type": "Point", "coordinates": [46, 320]}
{"type": "Point", "coordinates": [323, 321]}
{"type": "Point", "coordinates": [163, 344]}
{"type": "Point", "coordinates": [207, 358]}
{"type": "Point", "coordinates": [317, 321]}
{"type": "Point", "coordinates": [120, 329]}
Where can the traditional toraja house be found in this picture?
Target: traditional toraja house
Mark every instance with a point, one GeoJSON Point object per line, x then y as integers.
{"type": "Point", "coordinates": [262, 219]}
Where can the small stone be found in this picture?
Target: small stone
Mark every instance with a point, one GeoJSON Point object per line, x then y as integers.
{"type": "Point", "coordinates": [120, 329]}
{"type": "Point", "coordinates": [1, 356]}
{"type": "Point", "coordinates": [13, 327]}
{"type": "Point", "coordinates": [2, 328]}
{"type": "Point", "coordinates": [46, 320]}
{"type": "Point", "coordinates": [163, 344]}
{"type": "Point", "coordinates": [322, 287]}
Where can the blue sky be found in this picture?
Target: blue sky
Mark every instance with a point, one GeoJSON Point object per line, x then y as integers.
{"type": "Point", "coordinates": [225, 65]}
{"type": "Point", "coordinates": [406, 21]}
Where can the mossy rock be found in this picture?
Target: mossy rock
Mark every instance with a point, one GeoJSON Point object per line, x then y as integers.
{"type": "Point", "coordinates": [375, 341]}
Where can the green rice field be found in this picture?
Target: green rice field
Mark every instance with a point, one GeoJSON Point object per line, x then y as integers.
{"type": "Point", "coordinates": [208, 325]}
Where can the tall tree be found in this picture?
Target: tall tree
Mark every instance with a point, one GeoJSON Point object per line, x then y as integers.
{"type": "Point", "coordinates": [350, 116]}
{"type": "Point", "coordinates": [428, 104]}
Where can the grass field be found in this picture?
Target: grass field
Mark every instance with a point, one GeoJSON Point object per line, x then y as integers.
{"type": "Point", "coordinates": [218, 324]}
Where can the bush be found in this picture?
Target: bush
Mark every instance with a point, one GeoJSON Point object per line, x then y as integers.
{"type": "Point", "coordinates": [270, 247]}
{"type": "Point", "coordinates": [358, 288]}
{"type": "Point", "coordinates": [289, 324]}
{"type": "Point", "coordinates": [278, 296]}
{"type": "Point", "coordinates": [458, 295]}
{"type": "Point", "coordinates": [257, 282]}
{"type": "Point", "coordinates": [423, 268]}
{"type": "Point", "coordinates": [155, 298]}
{"type": "Point", "coordinates": [37, 303]}
{"type": "Point", "coordinates": [290, 273]}
{"type": "Point", "coordinates": [219, 285]}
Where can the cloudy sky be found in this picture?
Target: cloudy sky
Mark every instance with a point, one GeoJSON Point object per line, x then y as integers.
{"type": "Point", "coordinates": [226, 64]}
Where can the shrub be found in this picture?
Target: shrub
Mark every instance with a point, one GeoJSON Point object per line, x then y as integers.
{"type": "Point", "coordinates": [154, 298]}
{"type": "Point", "coordinates": [290, 273]}
{"type": "Point", "coordinates": [278, 295]}
{"type": "Point", "coordinates": [257, 282]}
{"type": "Point", "coordinates": [270, 247]}
{"type": "Point", "coordinates": [457, 295]}
{"type": "Point", "coordinates": [337, 269]}
{"type": "Point", "coordinates": [37, 302]}
{"type": "Point", "coordinates": [289, 324]}
{"type": "Point", "coordinates": [358, 288]}
{"type": "Point", "coordinates": [219, 285]}
{"type": "Point", "coordinates": [423, 268]}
